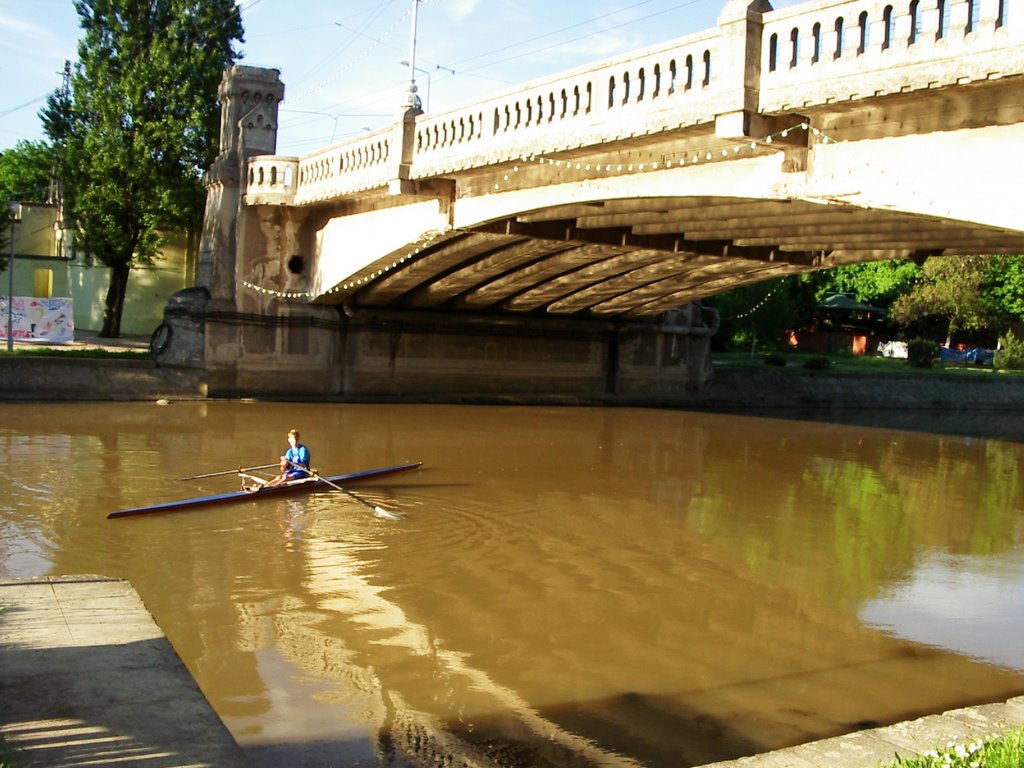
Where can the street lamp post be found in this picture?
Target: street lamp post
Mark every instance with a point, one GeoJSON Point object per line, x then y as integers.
{"type": "Point", "coordinates": [425, 103]}
{"type": "Point", "coordinates": [428, 73]}
{"type": "Point", "coordinates": [15, 211]}
{"type": "Point", "coordinates": [413, 101]}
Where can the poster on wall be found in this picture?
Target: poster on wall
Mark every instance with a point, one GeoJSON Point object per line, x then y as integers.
{"type": "Point", "coordinates": [49, 320]}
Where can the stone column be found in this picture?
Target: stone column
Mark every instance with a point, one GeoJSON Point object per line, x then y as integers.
{"type": "Point", "coordinates": [739, 65]}
{"type": "Point", "coordinates": [249, 98]}
{"type": "Point", "coordinates": [403, 149]}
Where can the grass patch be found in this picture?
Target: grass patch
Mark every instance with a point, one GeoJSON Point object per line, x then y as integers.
{"type": "Point", "coordinates": [102, 354]}
{"type": "Point", "coordinates": [849, 363]}
{"type": "Point", "coordinates": [9, 756]}
{"type": "Point", "coordinates": [992, 752]}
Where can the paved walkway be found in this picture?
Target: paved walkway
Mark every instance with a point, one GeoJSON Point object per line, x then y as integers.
{"type": "Point", "coordinates": [87, 678]}
{"type": "Point", "coordinates": [88, 340]}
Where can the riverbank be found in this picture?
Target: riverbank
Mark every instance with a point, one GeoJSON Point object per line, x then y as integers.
{"type": "Point", "coordinates": [89, 678]}
{"type": "Point", "coordinates": [47, 377]}
{"type": "Point", "coordinates": [733, 388]}
{"type": "Point", "coordinates": [789, 388]}
{"type": "Point", "coordinates": [880, 746]}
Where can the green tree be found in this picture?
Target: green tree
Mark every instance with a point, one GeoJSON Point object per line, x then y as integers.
{"type": "Point", "coordinates": [1006, 276]}
{"type": "Point", "coordinates": [760, 314]}
{"type": "Point", "coordinates": [956, 288]}
{"type": "Point", "coordinates": [26, 176]}
{"type": "Point", "coordinates": [27, 173]}
{"type": "Point", "coordinates": [137, 126]}
{"type": "Point", "coordinates": [876, 282]}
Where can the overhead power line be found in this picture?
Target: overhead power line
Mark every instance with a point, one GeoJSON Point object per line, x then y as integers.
{"type": "Point", "coordinates": [20, 107]}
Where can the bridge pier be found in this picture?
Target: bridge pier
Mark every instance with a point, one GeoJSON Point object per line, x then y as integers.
{"type": "Point", "coordinates": [462, 358]}
{"type": "Point", "coordinates": [466, 357]}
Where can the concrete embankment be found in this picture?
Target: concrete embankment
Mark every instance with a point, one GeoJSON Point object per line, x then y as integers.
{"type": "Point", "coordinates": [71, 378]}
{"type": "Point", "coordinates": [880, 746]}
{"type": "Point", "coordinates": [768, 387]}
{"type": "Point", "coordinates": [88, 678]}
{"type": "Point", "coordinates": [732, 388]}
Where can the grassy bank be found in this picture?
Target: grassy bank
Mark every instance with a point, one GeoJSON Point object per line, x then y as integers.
{"type": "Point", "coordinates": [994, 752]}
{"type": "Point", "coordinates": [849, 363]}
{"type": "Point", "coordinates": [123, 354]}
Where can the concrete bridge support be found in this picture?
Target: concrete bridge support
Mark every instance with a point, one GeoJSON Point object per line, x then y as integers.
{"type": "Point", "coordinates": [468, 357]}
{"type": "Point", "coordinates": [246, 342]}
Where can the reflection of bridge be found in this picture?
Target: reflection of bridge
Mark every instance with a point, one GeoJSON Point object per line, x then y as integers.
{"type": "Point", "coordinates": [778, 142]}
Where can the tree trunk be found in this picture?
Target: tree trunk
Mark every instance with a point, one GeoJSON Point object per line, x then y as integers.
{"type": "Point", "coordinates": [114, 305]}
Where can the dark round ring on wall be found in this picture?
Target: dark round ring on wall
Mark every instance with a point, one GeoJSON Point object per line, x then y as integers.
{"type": "Point", "coordinates": [160, 341]}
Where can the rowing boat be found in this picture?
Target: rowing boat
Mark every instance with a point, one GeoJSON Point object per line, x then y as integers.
{"type": "Point", "coordinates": [307, 484]}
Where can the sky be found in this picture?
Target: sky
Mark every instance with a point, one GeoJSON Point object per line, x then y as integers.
{"type": "Point", "coordinates": [340, 59]}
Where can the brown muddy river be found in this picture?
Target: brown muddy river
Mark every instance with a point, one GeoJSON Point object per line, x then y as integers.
{"type": "Point", "coordinates": [565, 587]}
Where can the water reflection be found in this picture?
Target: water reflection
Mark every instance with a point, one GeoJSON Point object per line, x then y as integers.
{"type": "Point", "coordinates": [973, 605]}
{"type": "Point", "coordinates": [566, 587]}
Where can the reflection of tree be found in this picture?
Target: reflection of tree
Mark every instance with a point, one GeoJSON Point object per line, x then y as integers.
{"type": "Point", "coordinates": [873, 502]}
{"type": "Point", "coordinates": [964, 500]}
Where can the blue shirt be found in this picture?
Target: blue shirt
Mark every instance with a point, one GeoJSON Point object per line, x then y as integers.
{"type": "Point", "coordinates": [297, 455]}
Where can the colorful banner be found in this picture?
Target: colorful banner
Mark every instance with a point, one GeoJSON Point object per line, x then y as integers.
{"type": "Point", "coordinates": [49, 320]}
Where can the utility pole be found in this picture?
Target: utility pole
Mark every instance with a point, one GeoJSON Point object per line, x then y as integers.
{"type": "Point", "coordinates": [413, 101]}
{"type": "Point", "coordinates": [55, 192]}
{"type": "Point", "coordinates": [14, 212]}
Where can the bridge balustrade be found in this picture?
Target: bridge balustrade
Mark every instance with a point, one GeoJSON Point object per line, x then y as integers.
{"type": "Point", "coordinates": [358, 164]}
{"type": "Point", "coordinates": [272, 180]}
{"type": "Point", "coordinates": [658, 88]}
{"type": "Point", "coordinates": [812, 55]}
{"type": "Point", "coordinates": [838, 51]}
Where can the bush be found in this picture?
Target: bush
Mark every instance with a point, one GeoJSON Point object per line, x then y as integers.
{"type": "Point", "coordinates": [817, 363]}
{"type": "Point", "coordinates": [775, 360]}
{"type": "Point", "coordinates": [921, 353]}
{"type": "Point", "coordinates": [1010, 354]}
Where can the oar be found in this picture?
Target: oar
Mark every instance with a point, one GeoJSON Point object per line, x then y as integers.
{"type": "Point", "coordinates": [380, 511]}
{"type": "Point", "coordinates": [231, 471]}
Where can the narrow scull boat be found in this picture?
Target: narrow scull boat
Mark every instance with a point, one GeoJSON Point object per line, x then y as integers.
{"type": "Point", "coordinates": [326, 483]}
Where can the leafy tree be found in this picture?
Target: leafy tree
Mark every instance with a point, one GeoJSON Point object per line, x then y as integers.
{"type": "Point", "coordinates": [761, 313]}
{"type": "Point", "coordinates": [26, 172]}
{"type": "Point", "coordinates": [1011, 352]}
{"type": "Point", "coordinates": [875, 282]}
{"type": "Point", "coordinates": [1006, 275]}
{"type": "Point", "coordinates": [954, 288]}
{"type": "Point", "coordinates": [137, 125]}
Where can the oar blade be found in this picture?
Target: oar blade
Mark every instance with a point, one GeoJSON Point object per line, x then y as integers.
{"type": "Point", "coordinates": [381, 512]}
{"type": "Point", "coordinates": [378, 511]}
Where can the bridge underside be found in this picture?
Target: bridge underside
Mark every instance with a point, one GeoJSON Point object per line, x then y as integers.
{"type": "Point", "coordinates": [566, 235]}
{"type": "Point", "coordinates": [637, 258]}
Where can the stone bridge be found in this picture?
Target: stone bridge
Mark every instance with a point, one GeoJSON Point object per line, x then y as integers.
{"type": "Point", "coordinates": [598, 204]}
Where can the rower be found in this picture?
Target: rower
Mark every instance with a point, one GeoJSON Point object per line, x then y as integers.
{"type": "Point", "coordinates": [294, 462]}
